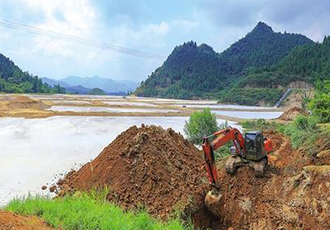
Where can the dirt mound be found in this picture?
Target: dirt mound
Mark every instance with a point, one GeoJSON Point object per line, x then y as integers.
{"type": "Point", "coordinates": [290, 114]}
{"type": "Point", "coordinates": [22, 102]}
{"type": "Point", "coordinates": [10, 221]}
{"type": "Point", "coordinates": [146, 167]}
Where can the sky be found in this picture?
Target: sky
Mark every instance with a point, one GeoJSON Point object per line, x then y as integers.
{"type": "Point", "coordinates": [147, 25]}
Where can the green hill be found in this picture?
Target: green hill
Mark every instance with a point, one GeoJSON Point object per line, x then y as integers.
{"type": "Point", "coordinates": [303, 64]}
{"type": "Point", "coordinates": [193, 71]}
{"type": "Point", "coordinates": [96, 91]}
{"type": "Point", "coordinates": [14, 80]}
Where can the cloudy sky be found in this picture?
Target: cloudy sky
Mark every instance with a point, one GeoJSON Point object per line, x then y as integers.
{"type": "Point", "coordinates": [146, 25]}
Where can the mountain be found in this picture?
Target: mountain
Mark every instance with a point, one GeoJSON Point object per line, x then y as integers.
{"type": "Point", "coordinates": [96, 91]}
{"type": "Point", "coordinates": [305, 64]}
{"type": "Point", "coordinates": [80, 85]}
{"type": "Point", "coordinates": [105, 84]}
{"type": "Point", "coordinates": [189, 71]}
{"type": "Point", "coordinates": [198, 71]}
{"type": "Point", "coordinates": [77, 89]}
{"type": "Point", "coordinates": [261, 47]}
{"type": "Point", "coordinates": [53, 82]}
{"type": "Point", "coordinates": [14, 80]}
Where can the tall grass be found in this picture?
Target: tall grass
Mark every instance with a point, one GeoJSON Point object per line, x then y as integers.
{"type": "Point", "coordinates": [89, 212]}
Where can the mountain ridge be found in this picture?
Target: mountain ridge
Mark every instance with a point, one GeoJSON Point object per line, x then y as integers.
{"type": "Point", "coordinates": [82, 85]}
{"type": "Point", "coordinates": [193, 71]}
{"type": "Point", "coordinates": [15, 80]}
{"type": "Point", "coordinates": [106, 84]}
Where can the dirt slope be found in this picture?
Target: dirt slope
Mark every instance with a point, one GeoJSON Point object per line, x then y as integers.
{"type": "Point", "coordinates": [294, 194]}
{"type": "Point", "coordinates": [10, 221]}
{"type": "Point", "coordinates": [159, 170]}
{"type": "Point", "coordinates": [291, 114]}
{"type": "Point", "coordinates": [146, 167]}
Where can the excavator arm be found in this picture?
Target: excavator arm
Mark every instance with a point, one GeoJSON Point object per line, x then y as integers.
{"type": "Point", "coordinates": [222, 137]}
{"type": "Point", "coordinates": [253, 148]}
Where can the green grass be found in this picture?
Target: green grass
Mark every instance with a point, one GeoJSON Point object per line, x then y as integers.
{"type": "Point", "coordinates": [89, 212]}
{"type": "Point", "coordinates": [261, 124]}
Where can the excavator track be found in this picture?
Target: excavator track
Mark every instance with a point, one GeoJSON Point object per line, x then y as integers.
{"type": "Point", "coordinates": [235, 162]}
{"type": "Point", "coordinates": [259, 167]}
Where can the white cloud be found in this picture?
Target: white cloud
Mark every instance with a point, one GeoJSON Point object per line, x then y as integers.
{"type": "Point", "coordinates": [185, 24]}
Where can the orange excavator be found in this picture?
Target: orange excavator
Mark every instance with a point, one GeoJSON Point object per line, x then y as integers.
{"type": "Point", "coordinates": [250, 149]}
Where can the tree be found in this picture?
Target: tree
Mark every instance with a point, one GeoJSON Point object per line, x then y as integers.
{"type": "Point", "coordinates": [204, 123]}
{"type": "Point", "coordinates": [201, 123]}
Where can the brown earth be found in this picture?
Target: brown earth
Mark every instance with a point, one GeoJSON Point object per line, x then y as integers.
{"type": "Point", "coordinates": [294, 193]}
{"type": "Point", "coordinates": [291, 113]}
{"type": "Point", "coordinates": [21, 102]}
{"type": "Point", "coordinates": [148, 167]}
{"type": "Point", "coordinates": [157, 169]}
{"type": "Point", "coordinates": [10, 221]}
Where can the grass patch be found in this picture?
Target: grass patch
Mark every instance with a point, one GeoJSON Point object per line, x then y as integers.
{"type": "Point", "coordinates": [89, 212]}
{"type": "Point", "coordinates": [261, 124]}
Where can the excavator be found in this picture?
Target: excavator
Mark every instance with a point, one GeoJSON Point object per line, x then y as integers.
{"type": "Point", "coordinates": [250, 149]}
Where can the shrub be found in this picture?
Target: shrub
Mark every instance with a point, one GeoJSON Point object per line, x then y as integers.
{"type": "Point", "coordinates": [201, 123]}
{"type": "Point", "coordinates": [303, 130]}
{"type": "Point", "coordinates": [204, 123]}
{"type": "Point", "coordinates": [320, 106]}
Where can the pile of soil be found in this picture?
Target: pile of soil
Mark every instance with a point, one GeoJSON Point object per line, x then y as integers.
{"type": "Point", "coordinates": [22, 102]}
{"type": "Point", "coordinates": [291, 114]}
{"type": "Point", "coordinates": [10, 221]}
{"type": "Point", "coordinates": [147, 167]}
{"type": "Point", "coordinates": [293, 194]}
{"type": "Point", "coordinates": [158, 169]}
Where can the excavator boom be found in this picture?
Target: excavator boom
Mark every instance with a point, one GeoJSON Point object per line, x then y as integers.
{"type": "Point", "coordinates": [222, 137]}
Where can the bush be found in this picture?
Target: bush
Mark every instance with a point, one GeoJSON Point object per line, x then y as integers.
{"type": "Point", "coordinates": [260, 124]}
{"type": "Point", "coordinates": [201, 124]}
{"type": "Point", "coordinates": [320, 106]}
{"type": "Point", "coordinates": [303, 130]}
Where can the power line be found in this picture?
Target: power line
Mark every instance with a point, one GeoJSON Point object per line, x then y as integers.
{"type": "Point", "coordinates": [78, 40]}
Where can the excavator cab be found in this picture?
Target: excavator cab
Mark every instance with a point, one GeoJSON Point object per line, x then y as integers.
{"type": "Point", "coordinates": [254, 146]}
{"type": "Point", "coordinates": [254, 155]}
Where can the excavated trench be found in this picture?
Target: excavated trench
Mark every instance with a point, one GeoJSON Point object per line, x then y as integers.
{"type": "Point", "coordinates": [158, 169]}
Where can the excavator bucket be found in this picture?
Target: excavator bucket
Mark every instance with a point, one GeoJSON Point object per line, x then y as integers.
{"type": "Point", "coordinates": [214, 201]}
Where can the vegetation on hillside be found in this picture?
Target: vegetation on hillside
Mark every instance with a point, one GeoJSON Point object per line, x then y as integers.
{"type": "Point", "coordinates": [304, 63]}
{"type": "Point", "coordinates": [14, 80]}
{"type": "Point", "coordinates": [259, 48]}
{"type": "Point", "coordinates": [89, 212]}
{"type": "Point", "coordinates": [96, 91]}
{"type": "Point", "coordinates": [193, 71]}
{"type": "Point", "coordinates": [250, 96]}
